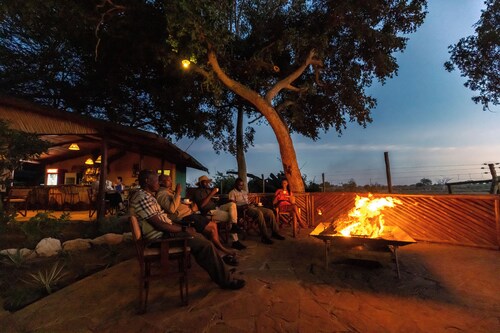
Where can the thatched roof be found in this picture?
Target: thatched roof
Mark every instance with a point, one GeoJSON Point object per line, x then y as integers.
{"type": "Point", "coordinates": [62, 128]}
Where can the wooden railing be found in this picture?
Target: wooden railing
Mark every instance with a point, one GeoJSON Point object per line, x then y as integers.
{"type": "Point", "coordinates": [471, 220]}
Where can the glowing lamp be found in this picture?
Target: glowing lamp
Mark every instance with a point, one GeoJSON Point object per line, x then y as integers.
{"type": "Point", "coordinates": [73, 146]}
{"type": "Point", "coordinates": [98, 160]}
{"type": "Point", "coordinates": [89, 161]}
{"type": "Point", "coordinates": [186, 63]}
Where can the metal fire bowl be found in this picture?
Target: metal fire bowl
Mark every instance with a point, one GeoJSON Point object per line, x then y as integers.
{"type": "Point", "coordinates": [392, 235]}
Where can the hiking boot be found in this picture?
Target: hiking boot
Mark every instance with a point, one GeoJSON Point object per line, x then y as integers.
{"type": "Point", "coordinates": [238, 246]}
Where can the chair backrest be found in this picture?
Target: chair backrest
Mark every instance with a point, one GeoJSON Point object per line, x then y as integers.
{"type": "Point", "coordinates": [19, 193]}
{"type": "Point", "coordinates": [137, 236]}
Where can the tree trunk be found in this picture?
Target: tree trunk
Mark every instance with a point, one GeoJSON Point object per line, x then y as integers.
{"type": "Point", "coordinates": [287, 151]}
{"type": "Point", "coordinates": [240, 151]}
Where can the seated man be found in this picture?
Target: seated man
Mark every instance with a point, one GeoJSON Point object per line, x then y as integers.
{"type": "Point", "coordinates": [202, 197]}
{"type": "Point", "coordinates": [264, 216]}
{"type": "Point", "coordinates": [177, 211]}
{"type": "Point", "coordinates": [156, 224]}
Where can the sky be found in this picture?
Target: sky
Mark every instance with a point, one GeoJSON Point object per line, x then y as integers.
{"type": "Point", "coordinates": [425, 120]}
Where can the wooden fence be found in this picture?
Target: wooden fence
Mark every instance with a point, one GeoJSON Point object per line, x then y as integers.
{"type": "Point", "coordinates": [471, 220]}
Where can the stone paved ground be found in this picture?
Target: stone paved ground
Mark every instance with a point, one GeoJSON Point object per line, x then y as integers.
{"type": "Point", "coordinates": [442, 289]}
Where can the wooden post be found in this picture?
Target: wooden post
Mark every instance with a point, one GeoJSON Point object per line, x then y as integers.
{"type": "Point", "coordinates": [494, 179]}
{"type": "Point", "coordinates": [388, 171]}
{"type": "Point", "coordinates": [101, 195]}
{"type": "Point", "coordinates": [323, 179]}
{"type": "Point", "coordinates": [497, 219]}
{"type": "Point", "coordinates": [263, 184]}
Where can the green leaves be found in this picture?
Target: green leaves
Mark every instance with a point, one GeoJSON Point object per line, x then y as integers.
{"type": "Point", "coordinates": [47, 279]}
{"type": "Point", "coordinates": [478, 57]}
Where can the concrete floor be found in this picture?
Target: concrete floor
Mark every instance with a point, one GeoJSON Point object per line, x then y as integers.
{"type": "Point", "coordinates": [442, 289]}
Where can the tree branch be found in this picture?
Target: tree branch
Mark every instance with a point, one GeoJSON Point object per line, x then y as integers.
{"type": "Point", "coordinates": [286, 83]}
{"type": "Point", "coordinates": [108, 12]}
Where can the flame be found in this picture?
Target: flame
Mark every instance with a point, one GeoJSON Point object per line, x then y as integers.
{"type": "Point", "coordinates": [366, 218]}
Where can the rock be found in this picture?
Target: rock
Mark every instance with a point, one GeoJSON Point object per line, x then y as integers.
{"type": "Point", "coordinates": [48, 247]}
{"type": "Point", "coordinates": [76, 244]}
{"type": "Point", "coordinates": [24, 252]}
{"type": "Point", "coordinates": [107, 239]}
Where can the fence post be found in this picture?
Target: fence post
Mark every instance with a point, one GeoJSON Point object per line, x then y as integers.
{"type": "Point", "coordinates": [263, 184]}
{"type": "Point", "coordinates": [323, 179]}
{"type": "Point", "coordinates": [494, 179]}
{"type": "Point", "coordinates": [388, 171]}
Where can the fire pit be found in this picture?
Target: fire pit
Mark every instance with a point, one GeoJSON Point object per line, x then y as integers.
{"type": "Point", "coordinates": [364, 227]}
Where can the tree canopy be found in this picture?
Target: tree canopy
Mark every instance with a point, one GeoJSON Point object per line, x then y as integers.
{"type": "Point", "coordinates": [478, 57]}
{"type": "Point", "coordinates": [301, 66]}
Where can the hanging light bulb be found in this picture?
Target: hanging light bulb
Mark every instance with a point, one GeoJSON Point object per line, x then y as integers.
{"type": "Point", "coordinates": [186, 63]}
{"type": "Point", "coordinates": [73, 146]}
{"type": "Point", "coordinates": [89, 161]}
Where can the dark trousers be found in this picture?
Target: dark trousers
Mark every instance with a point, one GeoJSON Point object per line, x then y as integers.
{"type": "Point", "coordinates": [207, 257]}
{"type": "Point", "coordinates": [265, 219]}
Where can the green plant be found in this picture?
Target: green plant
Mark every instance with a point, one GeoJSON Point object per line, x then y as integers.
{"type": "Point", "coordinates": [19, 297]}
{"type": "Point", "coordinates": [47, 279]}
{"type": "Point", "coordinates": [43, 225]}
{"type": "Point", "coordinates": [15, 259]}
{"type": "Point", "coordinates": [113, 224]}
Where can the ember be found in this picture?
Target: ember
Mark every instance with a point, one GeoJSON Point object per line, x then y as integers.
{"type": "Point", "coordinates": [366, 218]}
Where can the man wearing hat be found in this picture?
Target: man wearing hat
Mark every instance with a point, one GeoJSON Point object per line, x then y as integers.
{"type": "Point", "coordinates": [203, 196]}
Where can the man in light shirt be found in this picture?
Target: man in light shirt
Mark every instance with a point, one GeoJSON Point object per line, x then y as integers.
{"type": "Point", "coordinates": [265, 217]}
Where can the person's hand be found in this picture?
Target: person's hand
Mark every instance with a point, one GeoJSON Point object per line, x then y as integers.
{"type": "Point", "coordinates": [214, 190]}
{"type": "Point", "coordinates": [178, 188]}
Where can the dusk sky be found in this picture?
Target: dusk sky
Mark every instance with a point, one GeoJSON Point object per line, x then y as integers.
{"type": "Point", "coordinates": [425, 119]}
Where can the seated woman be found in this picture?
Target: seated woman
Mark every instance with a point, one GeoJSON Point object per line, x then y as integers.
{"type": "Point", "coordinates": [285, 201]}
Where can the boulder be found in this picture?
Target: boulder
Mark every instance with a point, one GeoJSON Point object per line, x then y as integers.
{"type": "Point", "coordinates": [110, 239]}
{"type": "Point", "coordinates": [24, 252]}
{"type": "Point", "coordinates": [76, 244]}
{"type": "Point", "coordinates": [48, 247]}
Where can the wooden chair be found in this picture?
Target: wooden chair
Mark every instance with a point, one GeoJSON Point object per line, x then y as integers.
{"type": "Point", "coordinates": [162, 253]}
{"type": "Point", "coordinates": [287, 217]}
{"type": "Point", "coordinates": [71, 195]}
{"type": "Point", "coordinates": [248, 223]}
{"type": "Point", "coordinates": [93, 203]}
{"type": "Point", "coordinates": [54, 197]}
{"type": "Point", "coordinates": [18, 198]}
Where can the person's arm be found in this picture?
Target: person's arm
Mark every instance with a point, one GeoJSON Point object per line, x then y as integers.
{"type": "Point", "coordinates": [175, 203]}
{"type": "Point", "coordinates": [207, 199]}
{"type": "Point", "coordinates": [276, 197]}
{"type": "Point", "coordinates": [162, 226]}
{"type": "Point", "coordinates": [232, 196]}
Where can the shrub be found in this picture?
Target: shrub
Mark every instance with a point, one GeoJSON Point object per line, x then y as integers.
{"type": "Point", "coordinates": [43, 225]}
{"type": "Point", "coordinates": [47, 279]}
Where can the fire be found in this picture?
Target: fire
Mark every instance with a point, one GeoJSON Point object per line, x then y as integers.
{"type": "Point", "coordinates": [366, 218]}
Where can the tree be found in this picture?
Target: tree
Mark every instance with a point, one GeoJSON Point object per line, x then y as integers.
{"type": "Point", "coordinates": [478, 57]}
{"type": "Point", "coordinates": [424, 182]}
{"type": "Point", "coordinates": [302, 65]}
{"type": "Point", "coordinates": [16, 147]}
{"type": "Point", "coordinates": [104, 59]}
